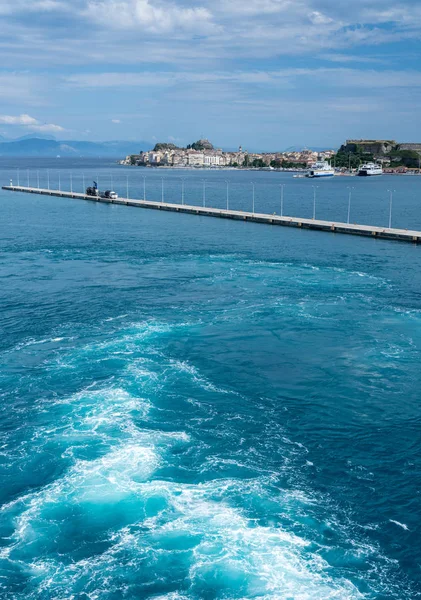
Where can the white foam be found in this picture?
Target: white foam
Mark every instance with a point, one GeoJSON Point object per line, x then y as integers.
{"type": "Point", "coordinates": [116, 318]}
{"type": "Point", "coordinates": [108, 479]}
{"type": "Point", "coordinates": [128, 339]}
{"type": "Point", "coordinates": [172, 596]}
{"type": "Point", "coordinates": [34, 342]}
{"type": "Point", "coordinates": [228, 547]}
{"type": "Point", "coordinates": [274, 562]}
{"type": "Point", "coordinates": [405, 527]}
{"type": "Point", "coordinates": [198, 378]}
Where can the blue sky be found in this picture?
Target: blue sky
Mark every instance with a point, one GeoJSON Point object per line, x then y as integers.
{"type": "Point", "coordinates": [266, 74]}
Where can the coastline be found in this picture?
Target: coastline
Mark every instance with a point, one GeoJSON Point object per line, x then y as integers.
{"type": "Point", "coordinates": [254, 169]}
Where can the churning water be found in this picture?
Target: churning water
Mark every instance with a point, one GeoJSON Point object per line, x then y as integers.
{"type": "Point", "coordinates": [200, 409]}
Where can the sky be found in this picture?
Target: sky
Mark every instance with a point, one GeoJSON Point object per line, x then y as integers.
{"type": "Point", "coordinates": [266, 74]}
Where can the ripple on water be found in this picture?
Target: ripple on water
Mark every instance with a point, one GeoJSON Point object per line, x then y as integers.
{"type": "Point", "coordinates": [164, 483]}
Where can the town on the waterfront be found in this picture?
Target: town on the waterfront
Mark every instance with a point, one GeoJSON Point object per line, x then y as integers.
{"type": "Point", "coordinates": [202, 154]}
{"type": "Point", "coordinates": [392, 156]}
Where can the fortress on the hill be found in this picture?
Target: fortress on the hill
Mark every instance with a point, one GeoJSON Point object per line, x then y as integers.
{"type": "Point", "coordinates": [380, 147]}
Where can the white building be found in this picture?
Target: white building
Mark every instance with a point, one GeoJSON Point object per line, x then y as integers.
{"type": "Point", "coordinates": [154, 158]}
{"type": "Point", "coordinates": [195, 158]}
{"type": "Point", "coordinates": [212, 160]}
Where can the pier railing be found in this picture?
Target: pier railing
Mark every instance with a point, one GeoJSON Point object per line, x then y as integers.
{"type": "Point", "coordinates": [389, 233]}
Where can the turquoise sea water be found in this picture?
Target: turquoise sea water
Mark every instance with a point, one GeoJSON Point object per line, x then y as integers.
{"type": "Point", "coordinates": [200, 409]}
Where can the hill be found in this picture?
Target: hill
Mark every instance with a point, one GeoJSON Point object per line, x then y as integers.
{"type": "Point", "coordinates": [50, 148]}
{"type": "Point", "coordinates": [31, 136]}
{"type": "Point", "coordinates": [313, 148]}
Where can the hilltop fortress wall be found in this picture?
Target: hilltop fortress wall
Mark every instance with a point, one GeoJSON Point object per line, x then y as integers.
{"type": "Point", "coordinates": [380, 147]}
{"type": "Point", "coordinates": [410, 146]}
{"type": "Point", "coordinates": [376, 147]}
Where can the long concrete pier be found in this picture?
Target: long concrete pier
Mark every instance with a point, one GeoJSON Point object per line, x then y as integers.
{"type": "Point", "coordinates": [401, 235]}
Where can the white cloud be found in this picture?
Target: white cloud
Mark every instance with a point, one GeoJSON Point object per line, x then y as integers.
{"type": "Point", "coordinates": [174, 140]}
{"type": "Point", "coordinates": [288, 78]}
{"type": "Point", "coordinates": [319, 18]}
{"type": "Point", "coordinates": [166, 30]}
{"type": "Point", "coordinates": [336, 57]}
{"type": "Point", "coordinates": [171, 78]}
{"type": "Point", "coordinates": [257, 7]}
{"type": "Point", "coordinates": [9, 7]}
{"type": "Point", "coordinates": [30, 123]}
{"type": "Point", "coordinates": [20, 89]}
{"type": "Point", "coordinates": [191, 53]}
{"type": "Point", "coordinates": [372, 79]}
{"type": "Point", "coordinates": [152, 16]}
{"type": "Point", "coordinates": [47, 128]}
{"type": "Point", "coordinates": [110, 80]}
{"type": "Point", "coordinates": [17, 120]}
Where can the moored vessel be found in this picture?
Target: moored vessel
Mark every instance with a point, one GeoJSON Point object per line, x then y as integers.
{"type": "Point", "coordinates": [369, 169]}
{"type": "Point", "coordinates": [321, 169]}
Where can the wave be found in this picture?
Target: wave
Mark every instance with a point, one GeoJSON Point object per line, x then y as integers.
{"type": "Point", "coordinates": [139, 495]}
{"type": "Point", "coordinates": [402, 525]}
{"type": "Point", "coordinates": [214, 548]}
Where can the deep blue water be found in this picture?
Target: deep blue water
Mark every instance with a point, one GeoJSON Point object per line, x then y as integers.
{"type": "Point", "coordinates": [200, 409]}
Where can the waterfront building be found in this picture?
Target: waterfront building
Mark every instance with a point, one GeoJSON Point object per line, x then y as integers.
{"type": "Point", "coordinates": [206, 156]}
{"type": "Point", "coordinates": [154, 158]}
{"type": "Point", "coordinates": [212, 160]}
{"type": "Point", "coordinates": [195, 158]}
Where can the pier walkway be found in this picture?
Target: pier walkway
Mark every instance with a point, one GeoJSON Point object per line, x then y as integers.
{"type": "Point", "coordinates": [402, 235]}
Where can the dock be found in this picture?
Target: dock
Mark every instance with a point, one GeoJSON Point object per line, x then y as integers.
{"type": "Point", "coordinates": [401, 235]}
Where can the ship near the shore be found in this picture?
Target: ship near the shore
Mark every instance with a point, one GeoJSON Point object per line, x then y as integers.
{"type": "Point", "coordinates": [369, 169]}
{"type": "Point", "coordinates": [321, 169]}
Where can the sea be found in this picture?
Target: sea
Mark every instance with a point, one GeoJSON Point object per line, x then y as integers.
{"type": "Point", "coordinates": [197, 409]}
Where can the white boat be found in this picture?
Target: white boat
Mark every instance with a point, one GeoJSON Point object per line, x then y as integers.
{"type": "Point", "coordinates": [370, 169]}
{"type": "Point", "coordinates": [321, 169]}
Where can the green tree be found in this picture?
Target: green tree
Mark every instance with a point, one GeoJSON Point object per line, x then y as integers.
{"type": "Point", "coordinates": [164, 146]}
{"type": "Point", "coordinates": [351, 159]}
{"type": "Point", "coordinates": [202, 144]}
{"type": "Point", "coordinates": [405, 158]}
{"type": "Point", "coordinates": [258, 163]}
{"type": "Point", "coordinates": [293, 165]}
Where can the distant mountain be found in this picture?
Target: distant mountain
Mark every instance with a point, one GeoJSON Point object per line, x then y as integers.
{"type": "Point", "coordinates": [31, 136]}
{"type": "Point", "coordinates": [313, 148]}
{"type": "Point", "coordinates": [34, 146]}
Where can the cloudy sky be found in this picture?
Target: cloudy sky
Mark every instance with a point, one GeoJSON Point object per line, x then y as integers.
{"type": "Point", "coordinates": [267, 74]}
